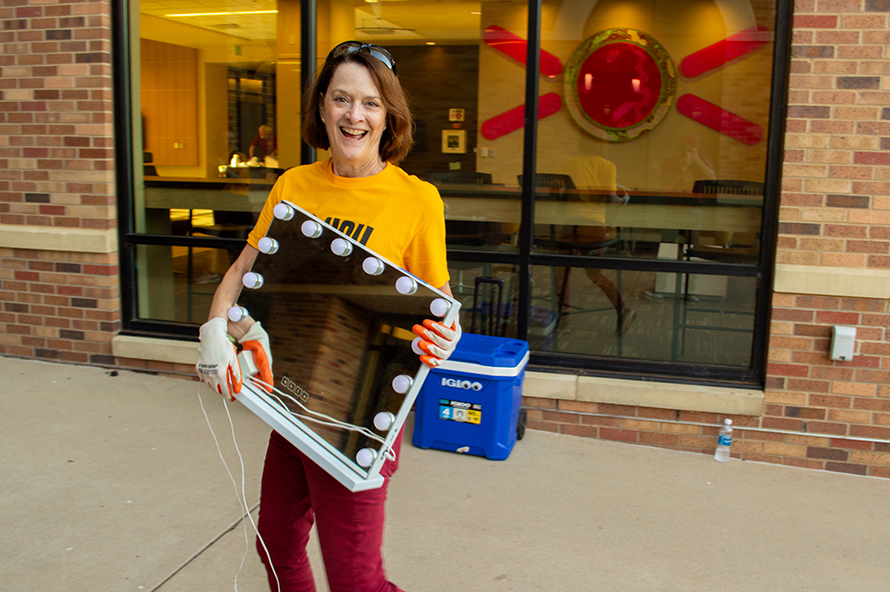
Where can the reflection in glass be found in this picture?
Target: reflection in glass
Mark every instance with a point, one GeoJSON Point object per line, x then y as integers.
{"type": "Point", "coordinates": [177, 283]}
{"type": "Point", "coordinates": [682, 190]}
{"type": "Point", "coordinates": [339, 327]}
{"type": "Point", "coordinates": [480, 287]}
{"type": "Point", "coordinates": [457, 81]}
{"type": "Point", "coordinates": [676, 173]}
{"type": "Point", "coordinates": [704, 319]}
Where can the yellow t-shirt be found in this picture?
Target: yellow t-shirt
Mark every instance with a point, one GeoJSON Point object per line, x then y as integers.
{"type": "Point", "coordinates": [392, 213]}
{"type": "Point", "coordinates": [590, 172]}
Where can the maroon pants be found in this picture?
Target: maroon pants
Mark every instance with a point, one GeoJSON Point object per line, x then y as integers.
{"type": "Point", "coordinates": [296, 491]}
{"type": "Point", "coordinates": [607, 286]}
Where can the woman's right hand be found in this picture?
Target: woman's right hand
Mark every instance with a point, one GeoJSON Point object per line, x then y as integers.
{"type": "Point", "coordinates": [436, 342]}
{"type": "Point", "coordinates": [218, 365]}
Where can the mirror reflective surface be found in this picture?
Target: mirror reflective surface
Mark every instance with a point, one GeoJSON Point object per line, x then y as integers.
{"type": "Point", "coordinates": [339, 320]}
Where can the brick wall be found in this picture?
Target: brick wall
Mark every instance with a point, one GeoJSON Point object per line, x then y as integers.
{"type": "Point", "coordinates": [56, 171]}
{"type": "Point", "coordinates": [834, 212]}
{"type": "Point", "coordinates": [795, 430]}
{"type": "Point", "coordinates": [836, 181]}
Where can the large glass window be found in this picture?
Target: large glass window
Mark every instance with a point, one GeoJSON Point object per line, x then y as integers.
{"type": "Point", "coordinates": [210, 138]}
{"type": "Point", "coordinates": [219, 99]}
{"type": "Point", "coordinates": [652, 119]}
{"type": "Point", "coordinates": [655, 151]}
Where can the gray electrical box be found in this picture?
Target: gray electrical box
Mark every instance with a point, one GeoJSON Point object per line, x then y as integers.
{"type": "Point", "coordinates": [843, 342]}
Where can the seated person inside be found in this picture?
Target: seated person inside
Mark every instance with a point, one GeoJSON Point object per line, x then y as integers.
{"type": "Point", "coordinates": [264, 144]}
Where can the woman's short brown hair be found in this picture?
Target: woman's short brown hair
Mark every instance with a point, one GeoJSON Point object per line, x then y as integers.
{"type": "Point", "coordinates": [398, 136]}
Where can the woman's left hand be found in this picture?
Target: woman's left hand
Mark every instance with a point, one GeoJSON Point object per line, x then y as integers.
{"type": "Point", "coordinates": [436, 342]}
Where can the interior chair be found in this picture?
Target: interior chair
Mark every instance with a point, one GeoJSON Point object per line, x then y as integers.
{"type": "Point", "coordinates": [547, 237]}
{"type": "Point", "coordinates": [268, 173]}
{"type": "Point", "coordinates": [460, 233]}
{"type": "Point", "coordinates": [497, 234]}
{"type": "Point", "coordinates": [459, 178]}
{"type": "Point", "coordinates": [236, 224]}
{"type": "Point", "coordinates": [254, 172]}
{"type": "Point", "coordinates": [551, 181]}
{"type": "Point", "coordinates": [725, 247]}
{"type": "Point", "coordinates": [572, 240]}
{"type": "Point", "coordinates": [552, 237]}
{"type": "Point", "coordinates": [148, 169]}
{"type": "Point", "coordinates": [728, 187]}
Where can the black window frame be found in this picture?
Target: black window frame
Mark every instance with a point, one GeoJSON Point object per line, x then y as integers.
{"type": "Point", "coordinates": [751, 377]}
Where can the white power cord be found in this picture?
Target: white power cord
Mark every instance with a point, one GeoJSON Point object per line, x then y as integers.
{"type": "Point", "coordinates": [242, 495]}
{"type": "Point", "coordinates": [311, 416]}
{"type": "Point", "coordinates": [320, 418]}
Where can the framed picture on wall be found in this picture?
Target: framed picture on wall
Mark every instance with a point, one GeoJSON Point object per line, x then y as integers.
{"type": "Point", "coordinates": [454, 141]}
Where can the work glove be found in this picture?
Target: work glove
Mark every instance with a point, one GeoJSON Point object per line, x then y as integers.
{"type": "Point", "coordinates": [218, 365]}
{"type": "Point", "coordinates": [256, 340]}
{"type": "Point", "coordinates": [436, 342]}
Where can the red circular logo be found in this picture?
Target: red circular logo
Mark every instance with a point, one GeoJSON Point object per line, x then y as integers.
{"type": "Point", "coordinates": [619, 83]}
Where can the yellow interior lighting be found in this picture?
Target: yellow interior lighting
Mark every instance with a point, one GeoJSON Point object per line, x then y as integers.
{"type": "Point", "coordinates": [221, 13]}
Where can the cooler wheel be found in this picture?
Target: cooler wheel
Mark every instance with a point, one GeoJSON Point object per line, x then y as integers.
{"type": "Point", "coordinates": [520, 424]}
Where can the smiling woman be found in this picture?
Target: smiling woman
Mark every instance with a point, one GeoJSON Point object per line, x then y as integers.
{"type": "Point", "coordinates": [358, 110]}
{"type": "Point", "coordinates": [355, 118]}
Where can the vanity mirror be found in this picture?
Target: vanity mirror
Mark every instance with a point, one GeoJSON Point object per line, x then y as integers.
{"type": "Point", "coordinates": [339, 321]}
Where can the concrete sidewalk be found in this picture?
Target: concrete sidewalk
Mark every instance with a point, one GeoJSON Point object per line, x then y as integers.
{"type": "Point", "coordinates": [114, 483]}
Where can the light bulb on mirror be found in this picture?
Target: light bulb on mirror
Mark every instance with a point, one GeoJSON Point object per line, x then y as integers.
{"type": "Point", "coordinates": [384, 420]}
{"type": "Point", "coordinates": [406, 286]}
{"type": "Point", "coordinates": [341, 247]}
{"type": "Point", "coordinates": [237, 313]}
{"type": "Point", "coordinates": [415, 347]}
{"type": "Point", "coordinates": [373, 266]}
{"type": "Point", "coordinates": [267, 245]}
{"type": "Point", "coordinates": [311, 229]}
{"type": "Point", "coordinates": [282, 211]}
{"type": "Point", "coordinates": [439, 307]}
{"type": "Point", "coordinates": [366, 457]}
{"type": "Point", "coordinates": [252, 280]}
{"type": "Point", "coordinates": [402, 383]}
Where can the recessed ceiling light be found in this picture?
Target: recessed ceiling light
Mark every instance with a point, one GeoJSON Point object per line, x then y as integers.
{"type": "Point", "coordinates": [475, 12]}
{"type": "Point", "coordinates": [222, 13]}
{"type": "Point", "coordinates": [430, 42]}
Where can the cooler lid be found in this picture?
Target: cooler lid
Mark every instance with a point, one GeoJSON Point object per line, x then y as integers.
{"type": "Point", "coordinates": [485, 350]}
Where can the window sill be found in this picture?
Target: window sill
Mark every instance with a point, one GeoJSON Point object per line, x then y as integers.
{"type": "Point", "coordinates": [155, 349]}
{"type": "Point", "coordinates": [661, 395]}
{"type": "Point", "coordinates": [58, 238]}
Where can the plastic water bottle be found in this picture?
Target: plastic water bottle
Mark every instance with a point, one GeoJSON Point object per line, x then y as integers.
{"type": "Point", "coordinates": [724, 441]}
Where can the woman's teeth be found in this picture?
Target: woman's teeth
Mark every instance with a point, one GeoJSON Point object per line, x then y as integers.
{"type": "Point", "coordinates": [353, 133]}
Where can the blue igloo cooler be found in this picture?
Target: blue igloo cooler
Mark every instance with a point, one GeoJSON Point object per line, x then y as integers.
{"type": "Point", "coordinates": [471, 403]}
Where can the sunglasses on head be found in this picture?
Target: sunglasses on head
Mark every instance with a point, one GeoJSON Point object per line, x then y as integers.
{"type": "Point", "coordinates": [348, 47]}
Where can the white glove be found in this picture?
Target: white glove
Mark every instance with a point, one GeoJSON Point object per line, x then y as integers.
{"type": "Point", "coordinates": [256, 340]}
{"type": "Point", "coordinates": [436, 341]}
{"type": "Point", "coordinates": [218, 363]}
